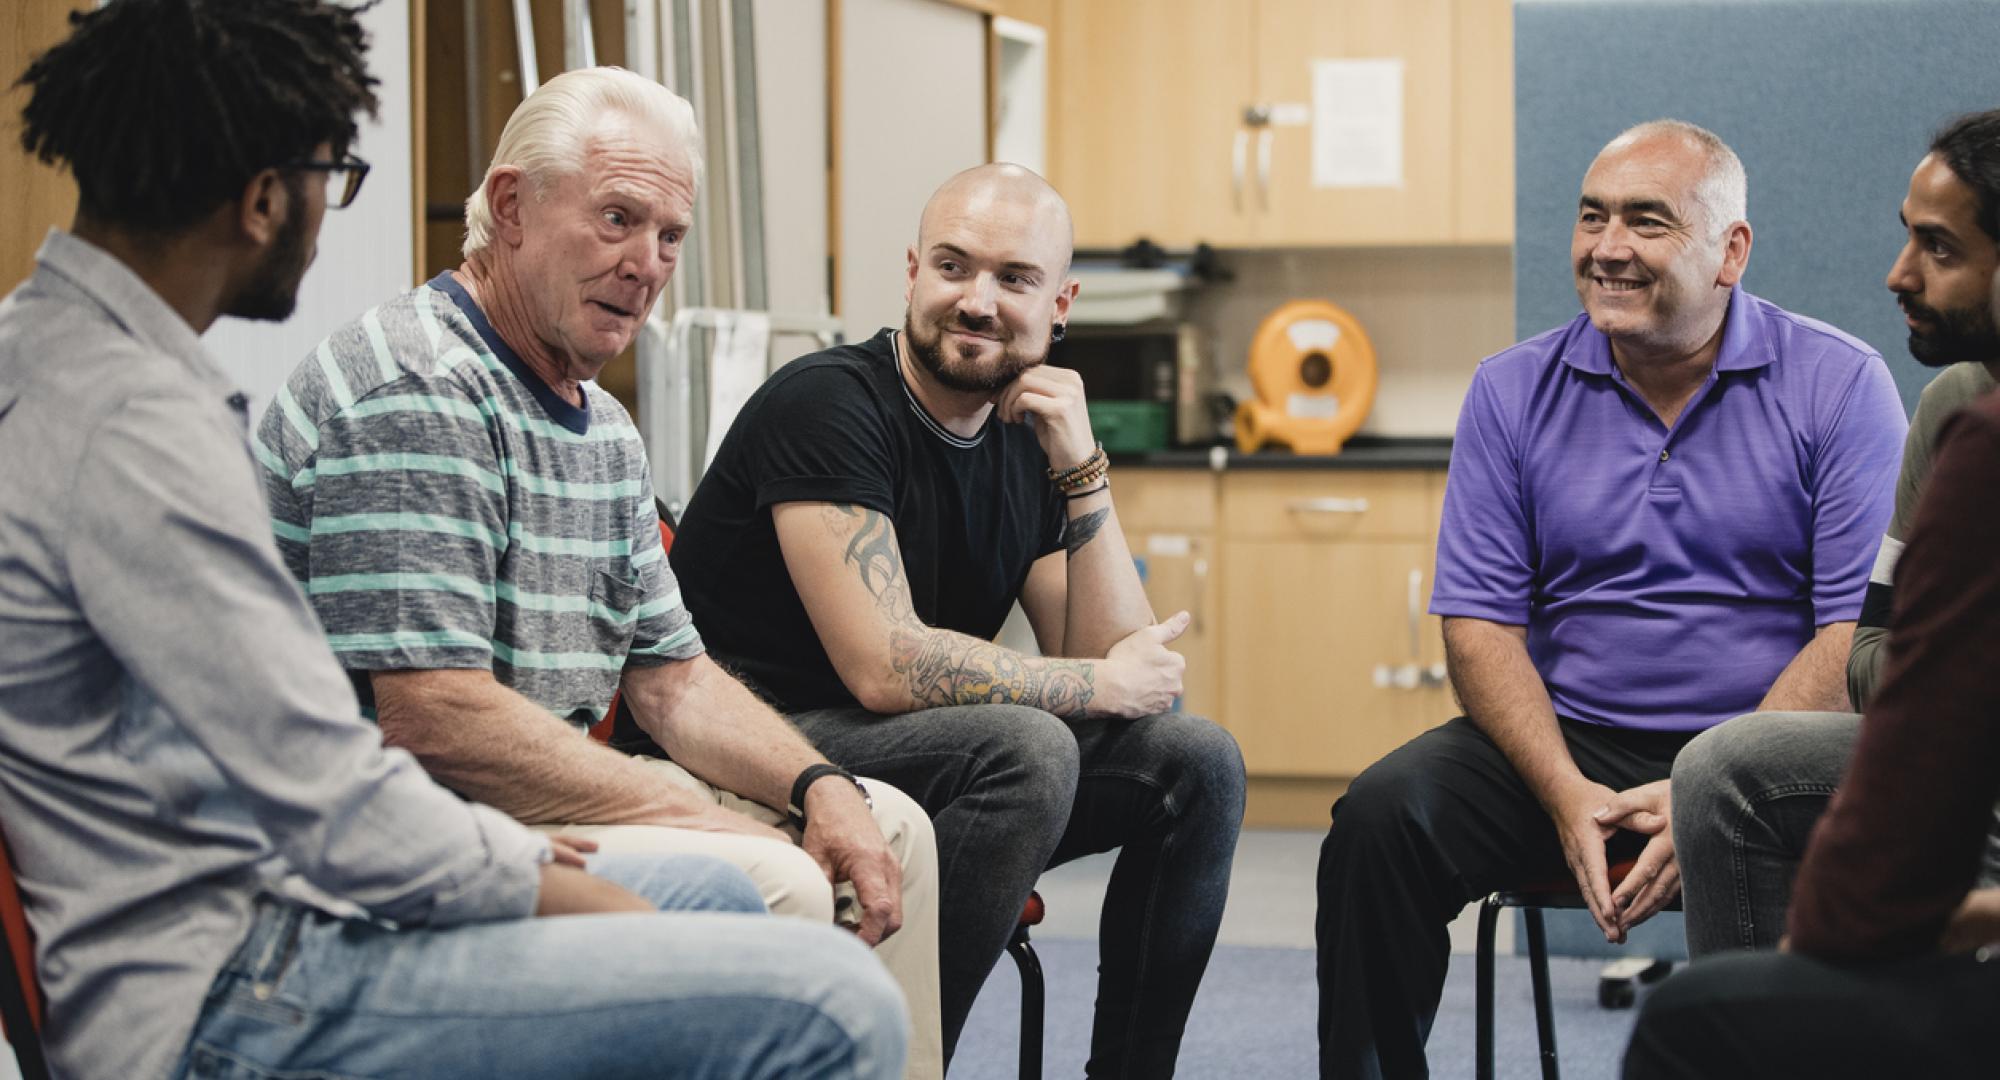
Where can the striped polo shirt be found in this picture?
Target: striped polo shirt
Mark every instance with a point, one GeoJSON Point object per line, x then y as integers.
{"type": "Point", "coordinates": [444, 508]}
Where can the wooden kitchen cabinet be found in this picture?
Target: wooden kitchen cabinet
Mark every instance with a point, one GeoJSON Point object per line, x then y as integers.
{"type": "Point", "coordinates": [1310, 641]}
{"type": "Point", "coordinates": [1169, 521]}
{"type": "Point", "coordinates": [1327, 651]}
{"type": "Point", "coordinates": [1291, 35]}
{"type": "Point", "coordinates": [1160, 127]}
{"type": "Point", "coordinates": [1148, 95]}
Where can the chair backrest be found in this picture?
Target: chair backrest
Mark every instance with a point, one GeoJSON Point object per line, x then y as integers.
{"type": "Point", "coordinates": [601, 731]}
{"type": "Point", "coordinates": [20, 994]}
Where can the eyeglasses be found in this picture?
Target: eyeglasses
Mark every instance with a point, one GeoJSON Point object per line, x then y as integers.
{"type": "Point", "coordinates": [348, 172]}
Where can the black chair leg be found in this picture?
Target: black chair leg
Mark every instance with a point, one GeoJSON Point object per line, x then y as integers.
{"type": "Point", "coordinates": [1032, 1003]}
{"type": "Point", "coordinates": [1545, 1013]}
{"type": "Point", "coordinates": [1482, 999]}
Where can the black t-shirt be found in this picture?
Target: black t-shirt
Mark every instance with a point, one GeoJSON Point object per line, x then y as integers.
{"type": "Point", "coordinates": [971, 515]}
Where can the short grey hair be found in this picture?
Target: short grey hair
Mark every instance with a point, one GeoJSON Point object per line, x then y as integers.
{"type": "Point", "coordinates": [1723, 191]}
{"type": "Point", "coordinates": [546, 137]}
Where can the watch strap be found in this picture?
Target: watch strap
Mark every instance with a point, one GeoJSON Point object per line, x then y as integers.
{"type": "Point", "coordinates": [795, 809]}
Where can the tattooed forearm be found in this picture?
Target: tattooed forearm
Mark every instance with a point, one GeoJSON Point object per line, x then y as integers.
{"type": "Point", "coordinates": [946, 668]}
{"type": "Point", "coordinates": [1083, 530]}
{"type": "Point", "coordinates": [941, 667]}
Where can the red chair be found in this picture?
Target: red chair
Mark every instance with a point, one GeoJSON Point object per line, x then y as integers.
{"type": "Point", "coordinates": [21, 995]}
{"type": "Point", "coordinates": [1532, 900]}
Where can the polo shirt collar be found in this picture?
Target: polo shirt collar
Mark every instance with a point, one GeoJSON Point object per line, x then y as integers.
{"type": "Point", "coordinates": [1746, 345]}
{"type": "Point", "coordinates": [126, 298]}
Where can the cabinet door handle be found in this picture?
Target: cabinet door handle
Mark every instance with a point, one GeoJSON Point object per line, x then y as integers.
{"type": "Point", "coordinates": [1334, 505]}
{"type": "Point", "coordinates": [1240, 160]}
{"type": "Point", "coordinates": [1416, 615]}
{"type": "Point", "coordinates": [1264, 168]}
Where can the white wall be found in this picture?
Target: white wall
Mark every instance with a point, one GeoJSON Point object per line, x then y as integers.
{"type": "Point", "coordinates": [366, 252]}
{"type": "Point", "coordinates": [912, 113]}
{"type": "Point", "coordinates": [791, 120]}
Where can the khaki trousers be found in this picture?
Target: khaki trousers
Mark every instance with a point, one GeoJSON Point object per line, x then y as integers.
{"type": "Point", "coordinates": [793, 884]}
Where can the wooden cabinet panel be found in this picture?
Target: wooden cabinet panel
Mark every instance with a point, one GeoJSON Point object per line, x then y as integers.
{"type": "Point", "coordinates": [1178, 500]}
{"type": "Point", "coordinates": [1291, 35]}
{"type": "Point", "coordinates": [1309, 622]}
{"type": "Point", "coordinates": [1169, 522]}
{"type": "Point", "coordinates": [1150, 94]}
{"type": "Point", "coordinates": [1483, 120]}
{"type": "Point", "coordinates": [1179, 570]}
{"type": "Point", "coordinates": [1306, 506]}
{"type": "Point", "coordinates": [1150, 136]}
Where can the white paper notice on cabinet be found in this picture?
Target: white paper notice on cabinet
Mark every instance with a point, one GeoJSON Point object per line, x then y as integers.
{"type": "Point", "coordinates": [1357, 136]}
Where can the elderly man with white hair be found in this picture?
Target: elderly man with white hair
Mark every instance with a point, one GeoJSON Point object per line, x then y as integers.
{"type": "Point", "coordinates": [473, 520]}
{"type": "Point", "coordinates": [1658, 516]}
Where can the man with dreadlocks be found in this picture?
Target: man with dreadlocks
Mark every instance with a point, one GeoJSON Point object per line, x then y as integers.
{"type": "Point", "coordinates": [224, 870]}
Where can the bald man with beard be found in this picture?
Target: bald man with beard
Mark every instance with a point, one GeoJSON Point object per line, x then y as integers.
{"type": "Point", "coordinates": [869, 521]}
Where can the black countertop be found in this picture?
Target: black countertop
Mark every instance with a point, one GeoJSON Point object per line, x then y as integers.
{"type": "Point", "coordinates": [1361, 452]}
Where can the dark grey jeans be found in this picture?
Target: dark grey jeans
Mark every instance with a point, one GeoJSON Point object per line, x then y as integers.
{"type": "Point", "coordinates": [1746, 796]}
{"type": "Point", "coordinates": [1012, 791]}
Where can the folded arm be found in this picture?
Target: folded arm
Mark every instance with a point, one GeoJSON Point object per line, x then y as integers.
{"type": "Point", "coordinates": [848, 569]}
{"type": "Point", "coordinates": [488, 743]}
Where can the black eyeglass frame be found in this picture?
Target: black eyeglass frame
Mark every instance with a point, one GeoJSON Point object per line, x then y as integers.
{"type": "Point", "coordinates": [355, 169]}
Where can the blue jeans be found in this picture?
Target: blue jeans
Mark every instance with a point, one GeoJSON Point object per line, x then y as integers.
{"type": "Point", "coordinates": [1012, 791]}
{"type": "Point", "coordinates": [707, 991]}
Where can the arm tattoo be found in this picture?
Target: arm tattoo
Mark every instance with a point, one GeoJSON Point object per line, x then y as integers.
{"type": "Point", "coordinates": [1083, 530]}
{"type": "Point", "coordinates": [942, 667]}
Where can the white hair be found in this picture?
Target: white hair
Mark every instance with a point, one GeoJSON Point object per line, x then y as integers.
{"type": "Point", "coordinates": [548, 134]}
{"type": "Point", "coordinates": [1723, 191]}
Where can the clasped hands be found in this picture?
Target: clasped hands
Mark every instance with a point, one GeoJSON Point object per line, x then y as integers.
{"type": "Point", "coordinates": [1588, 815]}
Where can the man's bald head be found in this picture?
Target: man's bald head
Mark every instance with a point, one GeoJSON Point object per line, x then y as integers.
{"type": "Point", "coordinates": [988, 278]}
{"type": "Point", "coordinates": [1000, 193]}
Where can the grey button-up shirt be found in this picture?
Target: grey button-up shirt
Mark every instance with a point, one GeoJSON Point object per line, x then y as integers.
{"type": "Point", "coordinates": [175, 734]}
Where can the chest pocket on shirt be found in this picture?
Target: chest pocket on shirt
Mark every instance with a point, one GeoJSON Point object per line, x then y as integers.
{"type": "Point", "coordinates": [613, 599]}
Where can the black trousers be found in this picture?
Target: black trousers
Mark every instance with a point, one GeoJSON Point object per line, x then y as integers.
{"type": "Point", "coordinates": [1773, 1016]}
{"type": "Point", "coordinates": [1438, 823]}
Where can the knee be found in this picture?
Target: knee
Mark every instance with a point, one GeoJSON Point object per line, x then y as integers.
{"type": "Point", "coordinates": [1205, 759]}
{"type": "Point", "coordinates": [1391, 799]}
{"type": "Point", "coordinates": [1034, 756]}
{"type": "Point", "coordinates": [791, 883]}
{"type": "Point", "coordinates": [684, 882]}
{"type": "Point", "coordinates": [905, 826]}
{"type": "Point", "coordinates": [1715, 767]}
{"type": "Point", "coordinates": [863, 1000]}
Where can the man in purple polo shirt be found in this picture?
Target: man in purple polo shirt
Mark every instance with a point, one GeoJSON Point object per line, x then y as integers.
{"type": "Point", "coordinates": [1658, 516]}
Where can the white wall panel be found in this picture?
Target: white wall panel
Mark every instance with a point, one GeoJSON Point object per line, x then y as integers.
{"type": "Point", "coordinates": [912, 113]}
{"type": "Point", "coordinates": [366, 252]}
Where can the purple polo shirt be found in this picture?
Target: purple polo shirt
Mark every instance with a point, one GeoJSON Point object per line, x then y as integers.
{"type": "Point", "coordinates": [1667, 577]}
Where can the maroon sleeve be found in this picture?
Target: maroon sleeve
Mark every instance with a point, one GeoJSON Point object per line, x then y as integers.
{"type": "Point", "coordinates": [1900, 844]}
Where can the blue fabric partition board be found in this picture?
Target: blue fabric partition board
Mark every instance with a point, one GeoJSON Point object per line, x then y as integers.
{"type": "Point", "coordinates": [1830, 104]}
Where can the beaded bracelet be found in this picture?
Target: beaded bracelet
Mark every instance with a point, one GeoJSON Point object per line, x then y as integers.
{"type": "Point", "coordinates": [1085, 477]}
{"type": "Point", "coordinates": [1063, 477]}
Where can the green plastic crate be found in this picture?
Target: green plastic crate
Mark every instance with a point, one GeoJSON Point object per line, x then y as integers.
{"type": "Point", "coordinates": [1129, 427]}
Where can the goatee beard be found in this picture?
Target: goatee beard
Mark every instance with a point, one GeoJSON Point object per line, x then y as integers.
{"type": "Point", "coordinates": [963, 375]}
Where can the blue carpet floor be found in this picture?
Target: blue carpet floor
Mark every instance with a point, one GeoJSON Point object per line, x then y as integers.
{"type": "Point", "coordinates": [1254, 1018]}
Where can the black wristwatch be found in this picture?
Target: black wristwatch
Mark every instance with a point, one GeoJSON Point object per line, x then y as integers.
{"type": "Point", "coordinates": [795, 810]}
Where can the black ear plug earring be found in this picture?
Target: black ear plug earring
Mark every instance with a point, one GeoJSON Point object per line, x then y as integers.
{"type": "Point", "coordinates": [1056, 332]}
